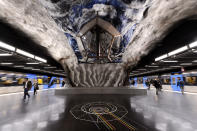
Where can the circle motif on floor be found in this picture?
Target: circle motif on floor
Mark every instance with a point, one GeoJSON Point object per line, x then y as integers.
{"type": "Point", "coordinates": [92, 111]}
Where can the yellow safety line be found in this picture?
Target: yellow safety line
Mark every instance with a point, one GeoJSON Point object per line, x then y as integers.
{"type": "Point", "coordinates": [106, 122]}
{"type": "Point", "coordinates": [123, 122]}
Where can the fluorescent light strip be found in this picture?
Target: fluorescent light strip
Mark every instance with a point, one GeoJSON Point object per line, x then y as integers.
{"type": "Point", "coordinates": [178, 50]}
{"type": "Point", "coordinates": [32, 63]}
{"type": "Point", "coordinates": [19, 66]}
{"type": "Point", "coordinates": [141, 69]}
{"type": "Point", "coordinates": [170, 61]}
{"type": "Point", "coordinates": [194, 61]}
{"type": "Point", "coordinates": [175, 66]}
{"type": "Point", "coordinates": [35, 69]}
{"type": "Point", "coordinates": [50, 67]}
{"type": "Point", "coordinates": [6, 46]}
{"type": "Point", "coordinates": [192, 45]}
{"type": "Point", "coordinates": [27, 67]}
{"type": "Point", "coordinates": [152, 66]}
{"type": "Point", "coordinates": [161, 57]}
{"type": "Point", "coordinates": [6, 54]}
{"type": "Point", "coordinates": [40, 59]}
{"type": "Point", "coordinates": [6, 63]}
{"type": "Point", "coordinates": [24, 53]}
{"type": "Point", "coordinates": [186, 64]}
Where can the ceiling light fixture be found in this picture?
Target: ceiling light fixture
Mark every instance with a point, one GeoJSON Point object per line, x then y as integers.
{"type": "Point", "coordinates": [175, 66]}
{"type": "Point", "coordinates": [186, 64]}
{"type": "Point", "coordinates": [192, 45]}
{"type": "Point", "coordinates": [178, 50]}
{"type": "Point", "coordinates": [24, 53]}
{"type": "Point", "coordinates": [32, 63]}
{"type": "Point", "coordinates": [35, 69]}
{"type": "Point", "coordinates": [27, 67]}
{"type": "Point", "coordinates": [50, 67]}
{"type": "Point", "coordinates": [6, 63]}
{"type": "Point", "coordinates": [141, 69]}
{"type": "Point", "coordinates": [18, 66]}
{"type": "Point", "coordinates": [6, 54]}
{"type": "Point", "coordinates": [40, 59]}
{"type": "Point", "coordinates": [170, 61]}
{"type": "Point", "coordinates": [161, 57]}
{"type": "Point", "coordinates": [6, 46]}
{"type": "Point", "coordinates": [151, 66]}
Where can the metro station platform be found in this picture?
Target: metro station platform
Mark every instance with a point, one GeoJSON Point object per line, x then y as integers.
{"type": "Point", "coordinates": [168, 111]}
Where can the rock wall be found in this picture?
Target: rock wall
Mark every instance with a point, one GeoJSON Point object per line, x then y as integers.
{"type": "Point", "coordinates": [158, 20]}
{"type": "Point", "coordinates": [97, 75]}
{"type": "Point", "coordinates": [30, 17]}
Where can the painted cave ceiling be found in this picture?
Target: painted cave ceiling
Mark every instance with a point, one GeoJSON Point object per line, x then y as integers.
{"type": "Point", "coordinates": [101, 20]}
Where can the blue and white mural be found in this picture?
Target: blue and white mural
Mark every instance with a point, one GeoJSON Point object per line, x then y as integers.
{"type": "Point", "coordinates": [71, 15]}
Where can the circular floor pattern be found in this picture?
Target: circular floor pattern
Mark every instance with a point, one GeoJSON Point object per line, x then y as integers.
{"type": "Point", "coordinates": [93, 111]}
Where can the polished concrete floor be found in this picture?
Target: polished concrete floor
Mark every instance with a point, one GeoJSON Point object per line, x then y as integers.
{"type": "Point", "coordinates": [46, 112]}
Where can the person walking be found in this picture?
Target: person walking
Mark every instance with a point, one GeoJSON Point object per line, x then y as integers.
{"type": "Point", "coordinates": [27, 87]}
{"type": "Point", "coordinates": [181, 84]}
{"type": "Point", "coordinates": [147, 83]}
{"type": "Point", "coordinates": [157, 85]}
{"type": "Point", "coordinates": [35, 87]}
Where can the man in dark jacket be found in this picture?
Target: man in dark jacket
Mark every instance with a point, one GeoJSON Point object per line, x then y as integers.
{"type": "Point", "coordinates": [157, 85]}
{"type": "Point", "coordinates": [35, 87]}
{"type": "Point", "coordinates": [147, 83]}
{"type": "Point", "coordinates": [181, 84]}
{"type": "Point", "coordinates": [27, 87]}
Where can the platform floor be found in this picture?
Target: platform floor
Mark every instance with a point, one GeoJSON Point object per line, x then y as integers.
{"type": "Point", "coordinates": [47, 112]}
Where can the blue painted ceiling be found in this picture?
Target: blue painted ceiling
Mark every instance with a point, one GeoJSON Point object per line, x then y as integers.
{"type": "Point", "coordinates": [72, 15]}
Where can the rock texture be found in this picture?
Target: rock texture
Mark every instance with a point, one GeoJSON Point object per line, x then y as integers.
{"type": "Point", "coordinates": [31, 17]}
{"type": "Point", "coordinates": [97, 75]}
{"type": "Point", "coordinates": [72, 15]}
{"type": "Point", "coordinates": [160, 18]}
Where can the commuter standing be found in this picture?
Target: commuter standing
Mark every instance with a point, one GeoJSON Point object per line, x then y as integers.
{"type": "Point", "coordinates": [63, 83]}
{"type": "Point", "coordinates": [133, 82]}
{"type": "Point", "coordinates": [180, 84]}
{"type": "Point", "coordinates": [35, 87]}
{"type": "Point", "coordinates": [27, 87]}
{"type": "Point", "coordinates": [147, 82]}
{"type": "Point", "coordinates": [157, 85]}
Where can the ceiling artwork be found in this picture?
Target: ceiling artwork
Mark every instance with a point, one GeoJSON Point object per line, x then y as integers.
{"type": "Point", "coordinates": [101, 20]}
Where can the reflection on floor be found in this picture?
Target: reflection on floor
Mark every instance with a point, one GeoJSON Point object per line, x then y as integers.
{"type": "Point", "coordinates": [46, 112]}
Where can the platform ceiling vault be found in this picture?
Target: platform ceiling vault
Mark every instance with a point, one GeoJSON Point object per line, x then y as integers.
{"type": "Point", "coordinates": [97, 31]}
